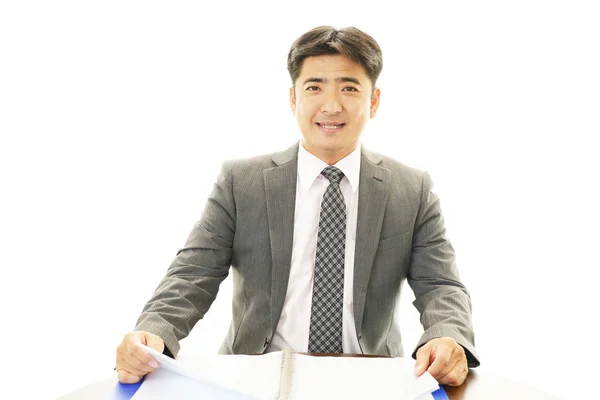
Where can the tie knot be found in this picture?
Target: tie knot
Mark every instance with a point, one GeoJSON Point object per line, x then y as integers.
{"type": "Point", "coordinates": [334, 174]}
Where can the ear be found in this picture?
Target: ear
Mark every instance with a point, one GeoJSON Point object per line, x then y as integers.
{"type": "Point", "coordinates": [292, 101]}
{"type": "Point", "coordinates": [375, 101]}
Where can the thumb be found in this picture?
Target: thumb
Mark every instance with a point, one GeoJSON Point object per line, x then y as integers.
{"type": "Point", "coordinates": [422, 360]}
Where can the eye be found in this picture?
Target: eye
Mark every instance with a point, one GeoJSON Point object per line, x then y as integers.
{"type": "Point", "coordinates": [312, 88]}
{"type": "Point", "coordinates": [352, 89]}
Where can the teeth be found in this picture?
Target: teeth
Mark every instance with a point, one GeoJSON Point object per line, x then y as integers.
{"type": "Point", "coordinates": [330, 126]}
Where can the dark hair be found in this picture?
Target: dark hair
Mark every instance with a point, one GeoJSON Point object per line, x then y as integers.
{"type": "Point", "coordinates": [326, 40]}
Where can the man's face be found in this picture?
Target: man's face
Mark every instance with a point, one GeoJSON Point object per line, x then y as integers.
{"type": "Point", "coordinates": [332, 101]}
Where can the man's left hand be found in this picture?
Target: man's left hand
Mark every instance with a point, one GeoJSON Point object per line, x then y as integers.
{"type": "Point", "coordinates": [444, 359]}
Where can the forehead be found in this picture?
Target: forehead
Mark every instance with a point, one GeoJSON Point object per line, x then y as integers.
{"type": "Point", "coordinates": [332, 66]}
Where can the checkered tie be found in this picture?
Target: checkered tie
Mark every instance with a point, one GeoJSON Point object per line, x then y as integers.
{"type": "Point", "coordinates": [325, 334]}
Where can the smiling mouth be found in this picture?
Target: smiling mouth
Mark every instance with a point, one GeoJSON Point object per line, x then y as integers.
{"type": "Point", "coordinates": [331, 126]}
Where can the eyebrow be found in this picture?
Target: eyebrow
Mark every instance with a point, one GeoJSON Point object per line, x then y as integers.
{"type": "Point", "coordinates": [340, 79]}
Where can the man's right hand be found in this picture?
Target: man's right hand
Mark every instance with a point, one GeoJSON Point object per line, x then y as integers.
{"type": "Point", "coordinates": [132, 362]}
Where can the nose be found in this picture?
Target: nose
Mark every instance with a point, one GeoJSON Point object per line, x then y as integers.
{"type": "Point", "coordinates": [331, 105]}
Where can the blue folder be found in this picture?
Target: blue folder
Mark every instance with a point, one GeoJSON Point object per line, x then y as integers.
{"type": "Point", "coordinates": [126, 391]}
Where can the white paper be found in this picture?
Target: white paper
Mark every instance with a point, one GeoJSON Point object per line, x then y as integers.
{"type": "Point", "coordinates": [359, 378]}
{"type": "Point", "coordinates": [237, 377]}
{"type": "Point", "coordinates": [174, 366]}
{"type": "Point", "coordinates": [164, 384]}
{"type": "Point", "coordinates": [254, 376]}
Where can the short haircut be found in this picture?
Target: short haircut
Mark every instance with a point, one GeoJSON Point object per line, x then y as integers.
{"type": "Point", "coordinates": [327, 40]}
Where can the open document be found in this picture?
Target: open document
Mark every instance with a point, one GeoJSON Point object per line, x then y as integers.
{"type": "Point", "coordinates": [284, 375]}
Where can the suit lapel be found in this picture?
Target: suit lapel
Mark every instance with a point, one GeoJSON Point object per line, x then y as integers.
{"type": "Point", "coordinates": [280, 189]}
{"type": "Point", "coordinates": [372, 198]}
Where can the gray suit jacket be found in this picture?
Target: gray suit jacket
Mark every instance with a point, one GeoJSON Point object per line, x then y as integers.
{"type": "Point", "coordinates": [247, 225]}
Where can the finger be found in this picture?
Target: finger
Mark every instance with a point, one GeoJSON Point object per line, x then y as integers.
{"type": "Point", "coordinates": [451, 366]}
{"type": "Point", "coordinates": [128, 377]}
{"type": "Point", "coordinates": [458, 360]}
{"type": "Point", "coordinates": [137, 357]}
{"type": "Point", "coordinates": [131, 357]}
{"type": "Point", "coordinates": [423, 359]}
{"type": "Point", "coordinates": [134, 366]}
{"type": "Point", "coordinates": [441, 358]}
{"type": "Point", "coordinates": [450, 375]}
{"type": "Point", "coordinates": [456, 377]}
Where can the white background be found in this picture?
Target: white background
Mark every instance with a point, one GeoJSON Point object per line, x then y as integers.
{"type": "Point", "coordinates": [116, 116]}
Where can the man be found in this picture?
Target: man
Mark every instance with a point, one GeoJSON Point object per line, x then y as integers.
{"type": "Point", "coordinates": [319, 237]}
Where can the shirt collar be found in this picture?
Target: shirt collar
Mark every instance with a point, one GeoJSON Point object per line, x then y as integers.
{"type": "Point", "coordinates": [310, 167]}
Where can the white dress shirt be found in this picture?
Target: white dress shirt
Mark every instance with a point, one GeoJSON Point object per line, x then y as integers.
{"type": "Point", "coordinates": [294, 323]}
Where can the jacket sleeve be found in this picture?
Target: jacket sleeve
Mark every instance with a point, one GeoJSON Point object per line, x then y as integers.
{"type": "Point", "coordinates": [192, 281]}
{"type": "Point", "coordinates": [441, 299]}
